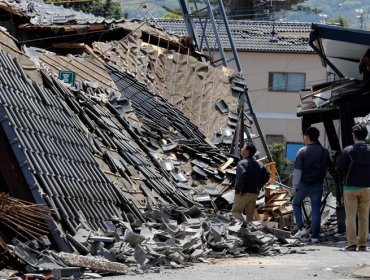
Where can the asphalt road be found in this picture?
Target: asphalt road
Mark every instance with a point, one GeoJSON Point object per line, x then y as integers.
{"type": "Point", "coordinates": [310, 262]}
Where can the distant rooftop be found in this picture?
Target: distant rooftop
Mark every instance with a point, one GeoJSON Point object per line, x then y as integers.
{"type": "Point", "coordinates": [48, 14]}
{"type": "Point", "coordinates": [259, 36]}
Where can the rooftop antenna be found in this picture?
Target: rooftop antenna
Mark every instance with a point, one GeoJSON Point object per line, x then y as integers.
{"type": "Point", "coordinates": [145, 13]}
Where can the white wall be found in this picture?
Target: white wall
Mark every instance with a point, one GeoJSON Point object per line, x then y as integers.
{"type": "Point", "coordinates": [276, 111]}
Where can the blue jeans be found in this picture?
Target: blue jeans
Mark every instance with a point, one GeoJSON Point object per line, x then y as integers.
{"type": "Point", "coordinates": [315, 193]}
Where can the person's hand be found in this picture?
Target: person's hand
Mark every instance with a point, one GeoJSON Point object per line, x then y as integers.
{"type": "Point", "coordinates": [293, 192]}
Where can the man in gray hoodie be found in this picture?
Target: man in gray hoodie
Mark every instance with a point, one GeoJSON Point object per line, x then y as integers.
{"type": "Point", "coordinates": [308, 178]}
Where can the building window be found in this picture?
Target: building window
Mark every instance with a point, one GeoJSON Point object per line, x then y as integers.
{"type": "Point", "coordinates": [274, 138]}
{"type": "Point", "coordinates": [282, 81]}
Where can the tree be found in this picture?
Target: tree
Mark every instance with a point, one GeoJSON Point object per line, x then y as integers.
{"type": "Point", "coordinates": [172, 13]}
{"type": "Point", "coordinates": [177, 13]}
{"type": "Point", "coordinates": [277, 153]}
{"type": "Point", "coordinates": [339, 21]}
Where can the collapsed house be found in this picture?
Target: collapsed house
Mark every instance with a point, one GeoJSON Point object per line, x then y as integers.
{"type": "Point", "coordinates": [121, 156]}
{"type": "Point", "coordinates": [344, 100]}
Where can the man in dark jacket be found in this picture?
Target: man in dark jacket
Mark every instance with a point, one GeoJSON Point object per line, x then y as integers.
{"type": "Point", "coordinates": [353, 165]}
{"type": "Point", "coordinates": [251, 176]}
{"type": "Point", "coordinates": [308, 178]}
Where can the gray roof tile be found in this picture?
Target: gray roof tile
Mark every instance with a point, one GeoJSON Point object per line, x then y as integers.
{"type": "Point", "coordinates": [253, 35]}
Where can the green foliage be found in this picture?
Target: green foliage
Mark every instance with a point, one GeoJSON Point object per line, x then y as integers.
{"type": "Point", "coordinates": [177, 13]}
{"type": "Point", "coordinates": [339, 21]}
{"type": "Point", "coordinates": [103, 8]}
{"type": "Point", "coordinates": [172, 13]}
{"type": "Point", "coordinates": [277, 153]}
{"type": "Point", "coordinates": [308, 9]}
{"type": "Point", "coordinates": [172, 16]}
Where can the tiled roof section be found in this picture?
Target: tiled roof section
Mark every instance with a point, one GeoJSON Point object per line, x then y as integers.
{"type": "Point", "coordinates": [57, 151]}
{"type": "Point", "coordinates": [157, 121]}
{"type": "Point", "coordinates": [123, 158]}
{"type": "Point", "coordinates": [162, 121]}
{"type": "Point", "coordinates": [193, 87]}
{"type": "Point", "coordinates": [154, 110]}
{"type": "Point", "coordinates": [85, 164]}
{"type": "Point", "coordinates": [48, 14]}
{"type": "Point", "coordinates": [86, 68]}
{"type": "Point", "coordinates": [8, 45]}
{"type": "Point", "coordinates": [259, 36]}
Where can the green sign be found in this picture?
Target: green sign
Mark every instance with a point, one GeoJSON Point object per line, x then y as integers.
{"type": "Point", "coordinates": [68, 77]}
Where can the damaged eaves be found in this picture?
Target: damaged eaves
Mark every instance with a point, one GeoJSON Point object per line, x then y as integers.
{"type": "Point", "coordinates": [159, 122]}
{"type": "Point", "coordinates": [88, 69]}
{"type": "Point", "coordinates": [153, 56]}
{"type": "Point", "coordinates": [193, 87]}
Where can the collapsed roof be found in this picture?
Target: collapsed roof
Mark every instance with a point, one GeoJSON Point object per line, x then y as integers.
{"type": "Point", "coordinates": [127, 144]}
{"type": "Point", "coordinates": [345, 52]}
{"type": "Point", "coordinates": [342, 49]}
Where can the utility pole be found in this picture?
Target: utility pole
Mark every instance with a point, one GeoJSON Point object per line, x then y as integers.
{"type": "Point", "coordinates": [204, 24]}
{"type": "Point", "coordinates": [360, 17]}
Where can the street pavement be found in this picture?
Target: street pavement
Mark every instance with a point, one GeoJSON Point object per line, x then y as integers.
{"type": "Point", "coordinates": [308, 262]}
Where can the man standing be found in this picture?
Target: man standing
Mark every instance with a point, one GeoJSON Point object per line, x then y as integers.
{"type": "Point", "coordinates": [308, 178]}
{"type": "Point", "coordinates": [251, 176]}
{"type": "Point", "coordinates": [354, 166]}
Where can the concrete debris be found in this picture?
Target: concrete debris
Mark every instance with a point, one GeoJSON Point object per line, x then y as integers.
{"type": "Point", "coordinates": [97, 264]}
{"type": "Point", "coordinates": [170, 244]}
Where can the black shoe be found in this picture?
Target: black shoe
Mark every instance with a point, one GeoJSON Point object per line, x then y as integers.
{"type": "Point", "coordinates": [350, 248]}
{"type": "Point", "coordinates": [362, 248]}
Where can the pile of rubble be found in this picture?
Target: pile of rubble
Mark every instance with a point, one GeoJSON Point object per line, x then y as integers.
{"type": "Point", "coordinates": [172, 237]}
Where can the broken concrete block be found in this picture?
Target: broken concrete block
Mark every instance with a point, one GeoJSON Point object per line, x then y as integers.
{"type": "Point", "coordinates": [140, 255]}
{"type": "Point", "coordinates": [91, 275]}
{"type": "Point", "coordinates": [82, 249]}
{"type": "Point", "coordinates": [133, 238]}
{"type": "Point", "coordinates": [216, 232]}
{"type": "Point", "coordinates": [147, 232]}
{"type": "Point", "coordinates": [96, 246]}
{"type": "Point", "coordinates": [82, 235]}
{"type": "Point", "coordinates": [99, 238]}
{"type": "Point", "coordinates": [177, 257]}
{"type": "Point", "coordinates": [110, 255]}
{"type": "Point", "coordinates": [197, 253]}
